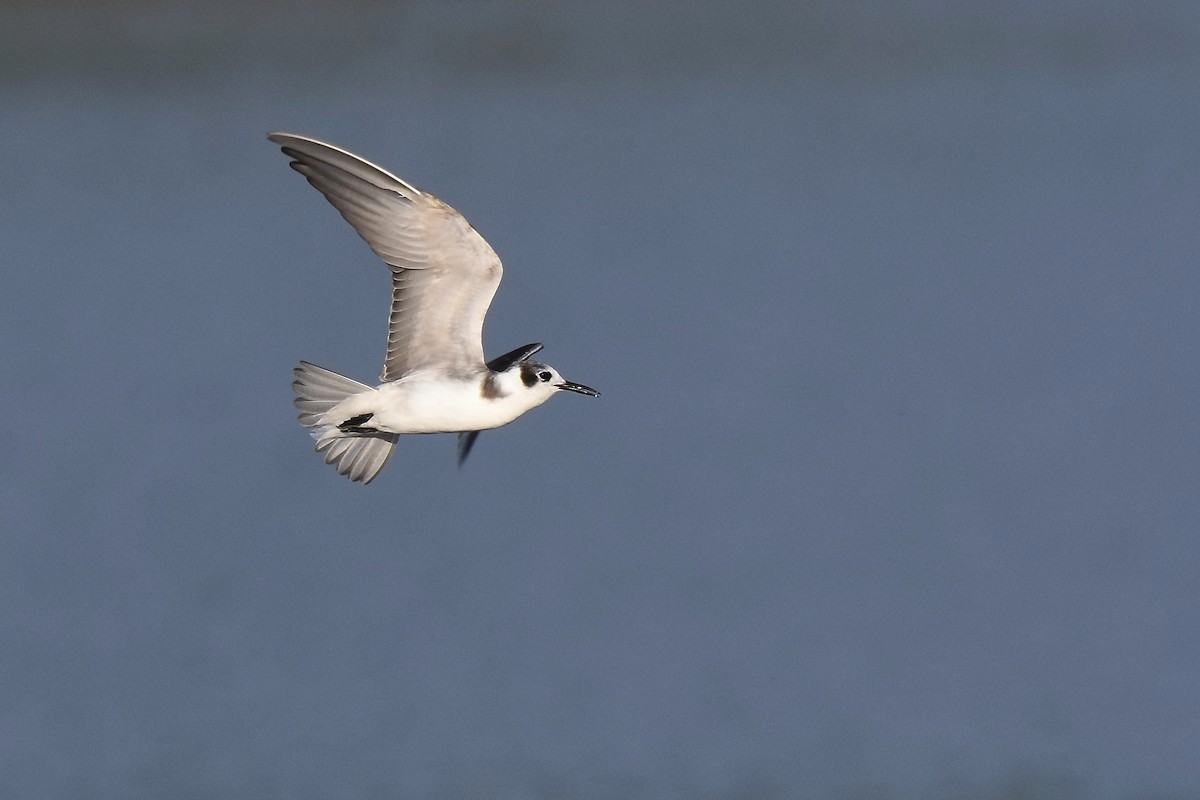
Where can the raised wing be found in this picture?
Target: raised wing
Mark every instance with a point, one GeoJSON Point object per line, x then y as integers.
{"type": "Point", "coordinates": [522, 353]}
{"type": "Point", "coordinates": [444, 274]}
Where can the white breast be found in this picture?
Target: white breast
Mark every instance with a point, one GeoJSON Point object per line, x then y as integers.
{"type": "Point", "coordinates": [414, 405]}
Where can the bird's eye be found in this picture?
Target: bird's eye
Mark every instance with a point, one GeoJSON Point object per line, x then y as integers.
{"type": "Point", "coordinates": [544, 376]}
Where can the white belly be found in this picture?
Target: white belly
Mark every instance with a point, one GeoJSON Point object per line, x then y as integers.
{"type": "Point", "coordinates": [437, 407]}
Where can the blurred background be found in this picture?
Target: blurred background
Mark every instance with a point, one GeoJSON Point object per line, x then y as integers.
{"type": "Point", "coordinates": [891, 494]}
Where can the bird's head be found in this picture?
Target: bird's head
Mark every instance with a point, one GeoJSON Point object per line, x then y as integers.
{"type": "Point", "coordinates": [536, 376]}
{"type": "Point", "coordinates": [539, 381]}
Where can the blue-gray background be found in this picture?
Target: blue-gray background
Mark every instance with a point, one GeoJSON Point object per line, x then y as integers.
{"type": "Point", "coordinates": [892, 492]}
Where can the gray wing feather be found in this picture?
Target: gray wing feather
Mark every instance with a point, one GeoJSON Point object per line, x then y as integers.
{"type": "Point", "coordinates": [444, 274]}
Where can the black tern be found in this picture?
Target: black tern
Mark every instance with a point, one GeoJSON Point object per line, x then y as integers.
{"type": "Point", "coordinates": [434, 377]}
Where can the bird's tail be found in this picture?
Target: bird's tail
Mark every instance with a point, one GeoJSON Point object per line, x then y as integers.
{"type": "Point", "coordinates": [357, 455]}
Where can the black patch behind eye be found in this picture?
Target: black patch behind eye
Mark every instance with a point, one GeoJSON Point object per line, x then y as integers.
{"type": "Point", "coordinates": [528, 374]}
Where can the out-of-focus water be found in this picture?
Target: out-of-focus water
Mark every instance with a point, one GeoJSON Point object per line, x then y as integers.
{"type": "Point", "coordinates": [892, 491]}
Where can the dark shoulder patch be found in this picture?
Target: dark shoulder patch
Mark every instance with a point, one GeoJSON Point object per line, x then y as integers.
{"type": "Point", "coordinates": [490, 388]}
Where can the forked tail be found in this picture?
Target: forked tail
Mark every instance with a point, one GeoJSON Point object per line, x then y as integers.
{"type": "Point", "coordinates": [357, 455]}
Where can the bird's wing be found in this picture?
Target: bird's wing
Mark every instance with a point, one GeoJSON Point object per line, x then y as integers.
{"type": "Point", "coordinates": [444, 274]}
{"type": "Point", "coordinates": [522, 353]}
{"type": "Point", "coordinates": [466, 440]}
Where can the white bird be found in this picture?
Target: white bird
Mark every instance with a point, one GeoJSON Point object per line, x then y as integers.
{"type": "Point", "coordinates": [434, 378]}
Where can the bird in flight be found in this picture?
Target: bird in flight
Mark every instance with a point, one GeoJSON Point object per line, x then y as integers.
{"type": "Point", "coordinates": [434, 377]}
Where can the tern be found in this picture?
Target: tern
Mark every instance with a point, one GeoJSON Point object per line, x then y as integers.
{"type": "Point", "coordinates": [434, 377]}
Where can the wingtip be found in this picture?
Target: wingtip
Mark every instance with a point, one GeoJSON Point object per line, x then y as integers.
{"type": "Point", "coordinates": [466, 440]}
